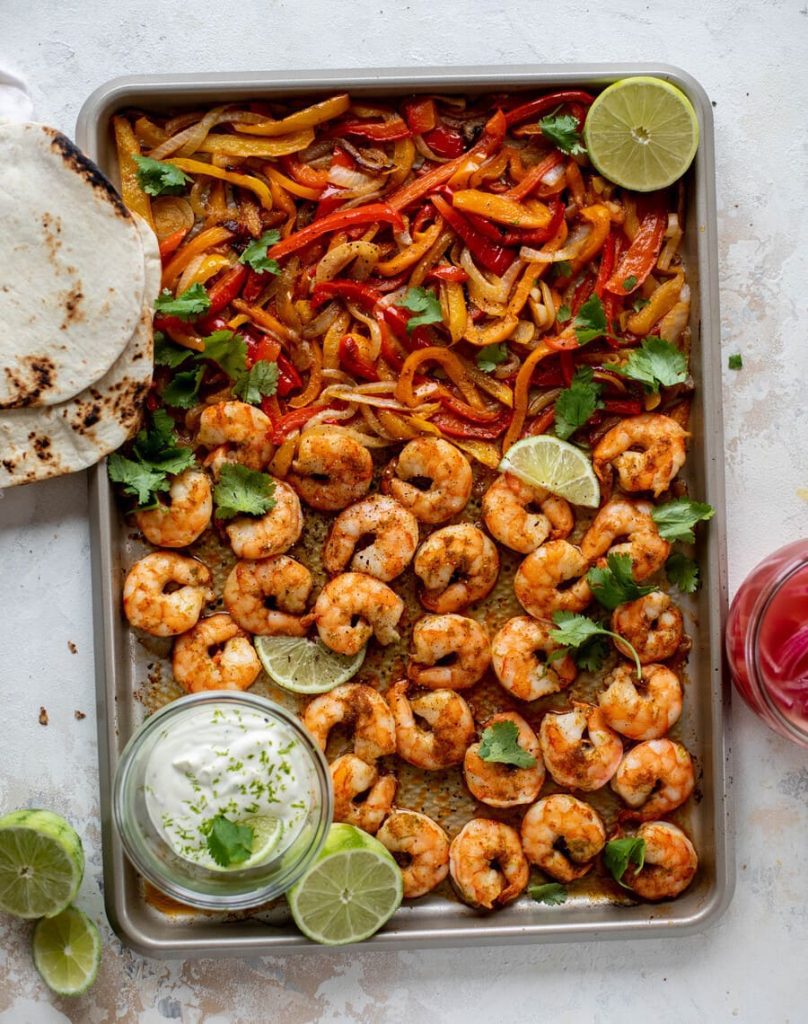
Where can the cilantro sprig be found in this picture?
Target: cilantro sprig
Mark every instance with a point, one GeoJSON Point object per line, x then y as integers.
{"type": "Point", "coordinates": [500, 743]}
{"type": "Point", "coordinates": [551, 893]}
{"type": "Point", "coordinates": [259, 381]}
{"type": "Point", "coordinates": [590, 322]}
{"type": "Point", "coordinates": [655, 363]}
{"type": "Point", "coordinates": [562, 131]}
{"type": "Point", "coordinates": [167, 353]}
{"type": "Point", "coordinates": [160, 179]}
{"type": "Point", "coordinates": [682, 572]}
{"type": "Point", "coordinates": [156, 455]}
{"type": "Point", "coordinates": [192, 302]}
{"type": "Point", "coordinates": [614, 584]}
{"type": "Point", "coordinates": [491, 356]}
{"type": "Point", "coordinates": [423, 302]}
{"type": "Point", "coordinates": [577, 403]}
{"type": "Point", "coordinates": [255, 255]}
{"type": "Point", "coordinates": [228, 842]}
{"type": "Point", "coordinates": [228, 350]}
{"type": "Point", "coordinates": [242, 491]}
{"type": "Point", "coordinates": [619, 853]}
{"type": "Point", "coordinates": [573, 631]}
{"type": "Point", "coordinates": [675, 519]}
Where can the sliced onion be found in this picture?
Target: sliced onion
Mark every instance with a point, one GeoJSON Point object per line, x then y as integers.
{"type": "Point", "coordinates": [324, 319]}
{"type": "Point", "coordinates": [357, 182]}
{"type": "Point", "coordinates": [554, 175]}
{"type": "Point", "coordinates": [372, 325]}
{"type": "Point", "coordinates": [542, 401]}
{"type": "Point", "coordinates": [569, 252]}
{"type": "Point", "coordinates": [427, 153]}
{"type": "Point", "coordinates": [340, 256]}
{"type": "Point", "coordinates": [364, 439]}
{"type": "Point", "coordinates": [189, 140]}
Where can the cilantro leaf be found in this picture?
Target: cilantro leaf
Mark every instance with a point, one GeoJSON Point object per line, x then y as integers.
{"type": "Point", "coordinates": [228, 350]}
{"type": "Point", "coordinates": [629, 283]}
{"type": "Point", "coordinates": [562, 131]}
{"type": "Point", "coordinates": [563, 268]}
{"type": "Point", "coordinates": [564, 314]}
{"type": "Point", "coordinates": [425, 303]}
{"type": "Point", "coordinates": [158, 446]}
{"type": "Point", "coordinates": [490, 356]}
{"type": "Point", "coordinates": [166, 353]}
{"type": "Point", "coordinates": [615, 584]}
{"type": "Point", "coordinates": [575, 630]}
{"type": "Point", "coordinates": [590, 323]}
{"type": "Point", "coordinates": [551, 893]}
{"type": "Point", "coordinates": [229, 843]}
{"type": "Point", "coordinates": [576, 403]}
{"type": "Point", "coordinates": [639, 304]}
{"type": "Point", "coordinates": [735, 362]}
{"type": "Point", "coordinates": [182, 391]}
{"type": "Point", "coordinates": [682, 572]}
{"type": "Point", "coordinates": [159, 179]}
{"type": "Point", "coordinates": [138, 479]}
{"type": "Point", "coordinates": [261, 379]}
{"type": "Point", "coordinates": [675, 519]}
{"type": "Point", "coordinates": [655, 362]}
{"type": "Point", "coordinates": [500, 744]}
{"type": "Point", "coordinates": [255, 255]}
{"type": "Point", "coordinates": [619, 853]}
{"type": "Point", "coordinates": [240, 491]}
{"type": "Point", "coordinates": [192, 302]}
{"type": "Point", "coordinates": [591, 655]}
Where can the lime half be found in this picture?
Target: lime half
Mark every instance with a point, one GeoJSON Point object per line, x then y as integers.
{"type": "Point", "coordinates": [41, 863]}
{"type": "Point", "coordinates": [642, 133]}
{"type": "Point", "coordinates": [558, 466]}
{"type": "Point", "coordinates": [305, 666]}
{"type": "Point", "coordinates": [67, 951]}
{"type": "Point", "coordinates": [352, 889]}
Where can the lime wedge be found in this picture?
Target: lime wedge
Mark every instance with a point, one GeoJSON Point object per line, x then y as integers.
{"type": "Point", "coordinates": [305, 666]}
{"type": "Point", "coordinates": [352, 889]}
{"type": "Point", "coordinates": [267, 834]}
{"type": "Point", "coordinates": [642, 133]}
{"type": "Point", "coordinates": [67, 951]}
{"type": "Point", "coordinates": [560, 467]}
{"type": "Point", "coordinates": [41, 863]}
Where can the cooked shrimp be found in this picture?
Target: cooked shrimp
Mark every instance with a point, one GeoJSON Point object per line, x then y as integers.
{"type": "Point", "coordinates": [353, 607]}
{"type": "Point", "coordinates": [651, 624]}
{"type": "Point", "coordinates": [272, 533]}
{"type": "Point", "coordinates": [524, 517]}
{"type": "Point", "coordinates": [431, 478]}
{"type": "Point", "coordinates": [269, 597]}
{"type": "Point", "coordinates": [421, 848]}
{"type": "Point", "coordinates": [448, 651]}
{"type": "Point", "coordinates": [451, 726]}
{"type": "Point", "coordinates": [185, 518]}
{"type": "Point", "coordinates": [487, 864]}
{"type": "Point", "coordinates": [654, 778]}
{"type": "Point", "coordinates": [641, 710]}
{"type": "Point", "coordinates": [331, 470]}
{"type": "Point", "coordinates": [552, 579]}
{"type": "Point", "coordinates": [362, 796]}
{"type": "Point", "coordinates": [236, 432]}
{"type": "Point", "coordinates": [216, 654]}
{"type": "Point", "coordinates": [519, 653]}
{"type": "Point", "coordinates": [670, 862]}
{"type": "Point", "coordinates": [632, 520]}
{"type": "Point", "coordinates": [579, 748]}
{"type": "Point", "coordinates": [363, 710]}
{"type": "Point", "coordinates": [647, 451]}
{"type": "Point", "coordinates": [562, 835]}
{"type": "Point", "coordinates": [505, 785]}
{"type": "Point", "coordinates": [391, 530]}
{"type": "Point", "coordinates": [457, 565]}
{"type": "Point", "coordinates": [150, 608]}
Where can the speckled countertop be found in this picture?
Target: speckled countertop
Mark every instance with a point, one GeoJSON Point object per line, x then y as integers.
{"type": "Point", "coordinates": [750, 56]}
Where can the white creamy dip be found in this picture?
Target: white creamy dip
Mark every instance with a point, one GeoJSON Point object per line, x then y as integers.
{"type": "Point", "coordinates": [235, 762]}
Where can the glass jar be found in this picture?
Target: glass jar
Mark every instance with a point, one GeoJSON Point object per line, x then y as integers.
{"type": "Point", "coordinates": [767, 641]}
{"type": "Point", "coordinates": [186, 744]}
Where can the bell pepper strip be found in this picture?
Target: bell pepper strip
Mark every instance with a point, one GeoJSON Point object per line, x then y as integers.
{"type": "Point", "coordinates": [353, 291]}
{"type": "Point", "coordinates": [310, 117]}
{"type": "Point", "coordinates": [293, 421]}
{"type": "Point", "coordinates": [403, 157]}
{"type": "Point", "coordinates": [498, 389]}
{"type": "Point", "coordinates": [420, 115]}
{"type": "Point", "coordinates": [392, 353]}
{"type": "Point", "coordinates": [447, 272]}
{"type": "Point", "coordinates": [599, 217]}
{"type": "Point", "coordinates": [341, 219]}
{"type": "Point", "coordinates": [224, 291]}
{"type": "Point", "coordinates": [498, 330]}
{"type": "Point", "coordinates": [148, 133]}
{"type": "Point", "coordinates": [253, 286]}
{"type": "Point", "coordinates": [521, 394]}
{"type": "Point", "coordinates": [623, 408]}
{"type": "Point", "coordinates": [542, 423]}
{"type": "Point", "coordinates": [567, 364]}
{"type": "Point", "coordinates": [265, 319]}
{"type": "Point", "coordinates": [207, 239]}
{"type": "Point", "coordinates": [264, 349]}
{"type": "Point", "coordinates": [309, 177]}
{"type": "Point", "coordinates": [456, 426]}
{"type": "Point", "coordinates": [444, 141]}
{"type": "Point", "coordinates": [353, 361]}
{"type": "Point", "coordinates": [637, 262]}
{"type": "Point", "coordinates": [407, 257]}
{"type": "Point", "coordinates": [315, 383]}
{"type": "Point", "coordinates": [395, 426]}
{"type": "Point", "coordinates": [128, 148]}
{"type": "Point", "coordinates": [468, 412]}
{"type": "Point", "coordinates": [377, 131]}
{"type": "Point", "coordinates": [333, 196]}
{"type": "Point", "coordinates": [210, 265]}
{"type": "Point", "coordinates": [502, 209]}
{"type": "Point", "coordinates": [582, 292]}
{"type": "Point", "coordinates": [397, 319]}
{"type": "Point", "coordinates": [575, 183]}
{"type": "Point", "coordinates": [540, 235]}
{"type": "Point", "coordinates": [289, 379]}
{"type": "Point", "coordinates": [179, 332]}
{"type": "Point", "coordinates": [453, 306]}
{"type": "Point", "coordinates": [607, 258]}
{"type": "Point", "coordinates": [493, 257]}
{"type": "Point", "coordinates": [451, 365]}
{"type": "Point", "coordinates": [271, 407]}
{"type": "Point", "coordinates": [270, 149]}
{"type": "Point", "coordinates": [534, 108]}
{"type": "Point", "coordinates": [661, 302]}
{"type": "Point", "coordinates": [242, 180]}
{"type": "Point", "coordinates": [290, 185]}
{"type": "Point", "coordinates": [532, 179]}
{"type": "Point", "coordinates": [171, 243]}
{"type": "Point", "coordinates": [485, 452]}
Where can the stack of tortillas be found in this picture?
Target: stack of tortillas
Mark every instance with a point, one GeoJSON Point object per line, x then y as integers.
{"type": "Point", "coordinates": [78, 281]}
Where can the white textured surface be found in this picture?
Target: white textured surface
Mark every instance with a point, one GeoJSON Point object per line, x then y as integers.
{"type": "Point", "coordinates": [750, 56]}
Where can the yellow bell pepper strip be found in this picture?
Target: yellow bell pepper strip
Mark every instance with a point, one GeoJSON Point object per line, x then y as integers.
{"type": "Point", "coordinates": [204, 240]}
{"type": "Point", "coordinates": [521, 394]}
{"type": "Point", "coordinates": [282, 201]}
{"type": "Point", "coordinates": [333, 222]}
{"type": "Point", "coordinates": [486, 382]}
{"type": "Point", "coordinates": [502, 209]}
{"type": "Point", "coordinates": [265, 319]}
{"type": "Point", "coordinates": [301, 191]}
{"type": "Point", "coordinates": [420, 244]}
{"type": "Point", "coordinates": [452, 366]}
{"type": "Point", "coordinates": [315, 384]}
{"type": "Point", "coordinates": [209, 266]}
{"type": "Point", "coordinates": [242, 180]}
{"type": "Point", "coordinates": [483, 451]}
{"type": "Point", "coordinates": [128, 148]}
{"type": "Point", "coordinates": [403, 157]}
{"type": "Point", "coordinates": [453, 304]}
{"type": "Point", "coordinates": [232, 145]}
{"type": "Point", "coordinates": [309, 117]}
{"type": "Point", "coordinates": [395, 426]}
{"type": "Point", "coordinates": [600, 219]}
{"type": "Point", "coordinates": [493, 333]}
{"type": "Point", "coordinates": [661, 302]}
{"type": "Point", "coordinates": [150, 134]}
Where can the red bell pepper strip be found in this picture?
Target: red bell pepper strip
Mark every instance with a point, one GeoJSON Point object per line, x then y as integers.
{"type": "Point", "coordinates": [165, 323]}
{"type": "Point", "coordinates": [629, 408]}
{"type": "Point", "coordinates": [455, 426]}
{"type": "Point", "coordinates": [227, 287]}
{"type": "Point", "coordinates": [468, 412]}
{"type": "Point", "coordinates": [172, 242]}
{"type": "Point", "coordinates": [262, 349]}
{"type": "Point", "coordinates": [377, 131]}
{"type": "Point", "coordinates": [355, 291]}
{"type": "Point", "coordinates": [534, 176]}
{"type": "Point", "coordinates": [353, 361]}
{"type": "Point", "coordinates": [542, 423]}
{"type": "Point", "coordinates": [567, 364]}
{"type": "Point", "coordinates": [444, 141]}
{"type": "Point", "coordinates": [288, 378]}
{"type": "Point", "coordinates": [398, 319]}
{"type": "Point", "coordinates": [310, 177]}
{"type": "Point", "coordinates": [253, 286]}
{"type": "Point", "coordinates": [534, 108]}
{"type": "Point", "coordinates": [333, 196]}
{"type": "Point", "coordinates": [607, 256]}
{"type": "Point", "coordinates": [638, 260]}
{"type": "Point", "coordinates": [392, 354]}
{"type": "Point", "coordinates": [582, 292]}
{"type": "Point", "coordinates": [446, 272]}
{"type": "Point", "coordinates": [335, 222]}
{"type": "Point", "coordinates": [293, 421]}
{"type": "Point", "coordinates": [537, 236]}
{"type": "Point", "coordinates": [492, 256]}
{"type": "Point", "coordinates": [420, 115]}
{"type": "Point", "coordinates": [388, 284]}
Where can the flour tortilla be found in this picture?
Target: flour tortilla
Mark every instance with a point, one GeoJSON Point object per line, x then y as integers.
{"type": "Point", "coordinates": [39, 443]}
{"type": "Point", "coordinates": [72, 273]}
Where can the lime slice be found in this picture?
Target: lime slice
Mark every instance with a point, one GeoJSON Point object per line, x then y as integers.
{"type": "Point", "coordinates": [642, 133]}
{"type": "Point", "coordinates": [305, 666]}
{"type": "Point", "coordinates": [352, 889]}
{"type": "Point", "coordinates": [267, 834]}
{"type": "Point", "coordinates": [560, 467]}
{"type": "Point", "coordinates": [41, 863]}
{"type": "Point", "coordinates": [67, 951]}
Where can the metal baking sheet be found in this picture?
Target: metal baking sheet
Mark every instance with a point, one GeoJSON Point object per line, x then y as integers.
{"type": "Point", "coordinates": [126, 671]}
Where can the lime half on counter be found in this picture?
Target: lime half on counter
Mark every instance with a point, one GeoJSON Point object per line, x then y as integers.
{"type": "Point", "coordinates": [305, 666]}
{"type": "Point", "coordinates": [67, 951]}
{"type": "Point", "coordinates": [41, 863]}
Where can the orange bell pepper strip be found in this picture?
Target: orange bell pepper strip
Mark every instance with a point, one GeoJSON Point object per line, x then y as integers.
{"type": "Point", "coordinates": [533, 177]}
{"type": "Point", "coordinates": [600, 219]}
{"type": "Point", "coordinates": [638, 260]}
{"type": "Point", "coordinates": [232, 145]}
{"type": "Point", "coordinates": [502, 209]}
{"type": "Point", "coordinates": [242, 180]}
{"type": "Point", "coordinates": [403, 156]}
{"type": "Point", "coordinates": [204, 240]}
{"type": "Point", "coordinates": [171, 243]}
{"type": "Point", "coordinates": [303, 174]}
{"type": "Point", "coordinates": [310, 117]}
{"type": "Point", "coordinates": [128, 148]}
{"type": "Point", "coordinates": [420, 244]}
{"type": "Point", "coordinates": [334, 222]}
{"type": "Point", "coordinates": [661, 302]}
{"type": "Point", "coordinates": [498, 330]}
{"type": "Point", "coordinates": [521, 394]}
{"type": "Point", "coordinates": [301, 191]}
{"type": "Point", "coordinates": [452, 366]}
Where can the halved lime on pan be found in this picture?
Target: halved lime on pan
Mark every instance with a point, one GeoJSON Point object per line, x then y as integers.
{"type": "Point", "coordinates": [546, 461]}
{"type": "Point", "coordinates": [305, 666]}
